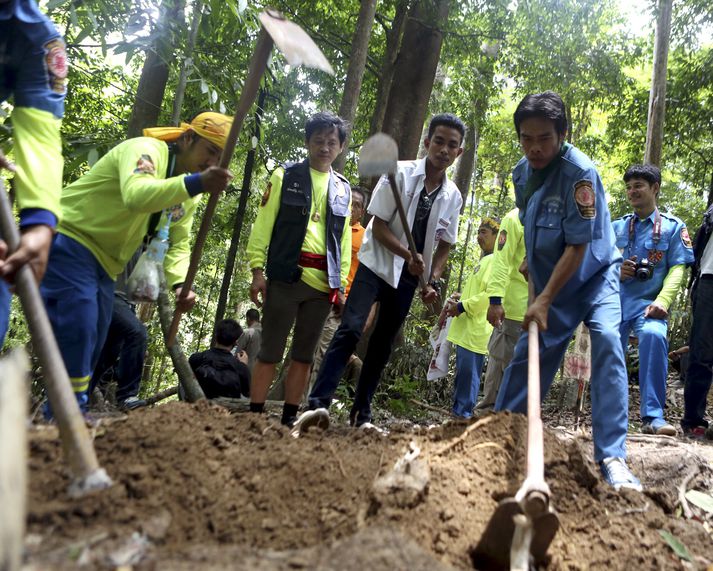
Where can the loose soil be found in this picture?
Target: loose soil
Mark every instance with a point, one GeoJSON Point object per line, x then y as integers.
{"type": "Point", "coordinates": [198, 487]}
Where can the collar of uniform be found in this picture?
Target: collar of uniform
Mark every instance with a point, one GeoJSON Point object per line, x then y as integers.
{"type": "Point", "coordinates": [651, 217]}
{"type": "Point", "coordinates": [420, 171]}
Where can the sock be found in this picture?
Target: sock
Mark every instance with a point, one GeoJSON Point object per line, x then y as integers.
{"type": "Point", "coordinates": [289, 412]}
{"type": "Point", "coordinates": [257, 407]}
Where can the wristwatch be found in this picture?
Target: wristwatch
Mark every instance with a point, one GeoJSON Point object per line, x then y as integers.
{"type": "Point", "coordinates": [436, 285]}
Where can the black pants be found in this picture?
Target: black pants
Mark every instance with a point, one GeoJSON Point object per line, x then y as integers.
{"type": "Point", "coordinates": [126, 341]}
{"type": "Point", "coordinates": [366, 288]}
{"type": "Point", "coordinates": [700, 366]}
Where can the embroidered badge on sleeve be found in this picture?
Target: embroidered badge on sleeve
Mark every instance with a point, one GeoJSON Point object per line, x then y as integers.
{"type": "Point", "coordinates": [502, 239]}
{"type": "Point", "coordinates": [266, 194]}
{"type": "Point", "coordinates": [585, 198]}
{"type": "Point", "coordinates": [56, 62]}
{"type": "Point", "coordinates": [685, 238]}
{"type": "Point", "coordinates": [145, 165]}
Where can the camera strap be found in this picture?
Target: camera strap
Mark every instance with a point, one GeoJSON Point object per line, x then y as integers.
{"type": "Point", "coordinates": [656, 234]}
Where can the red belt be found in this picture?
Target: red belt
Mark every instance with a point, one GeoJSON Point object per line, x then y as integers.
{"type": "Point", "coordinates": [316, 261]}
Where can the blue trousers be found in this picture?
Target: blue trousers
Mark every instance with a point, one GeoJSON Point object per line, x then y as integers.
{"type": "Point", "coordinates": [700, 363]}
{"type": "Point", "coordinates": [79, 295]}
{"type": "Point", "coordinates": [124, 351]}
{"type": "Point", "coordinates": [366, 288]}
{"type": "Point", "coordinates": [653, 362]}
{"type": "Point", "coordinates": [609, 386]}
{"type": "Point", "coordinates": [469, 365]}
{"type": "Point", "coordinates": [5, 298]}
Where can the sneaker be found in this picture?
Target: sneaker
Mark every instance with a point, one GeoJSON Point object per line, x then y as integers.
{"type": "Point", "coordinates": [618, 475]}
{"type": "Point", "coordinates": [659, 427]}
{"type": "Point", "coordinates": [368, 426]}
{"type": "Point", "coordinates": [694, 432]}
{"type": "Point", "coordinates": [318, 417]}
{"type": "Point", "coordinates": [131, 403]}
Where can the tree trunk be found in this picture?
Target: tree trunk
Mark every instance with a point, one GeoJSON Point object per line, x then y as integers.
{"type": "Point", "coordinates": [393, 41]}
{"type": "Point", "coordinates": [466, 165]}
{"type": "Point", "coordinates": [187, 63]}
{"type": "Point", "coordinates": [154, 75]}
{"type": "Point", "coordinates": [240, 215]}
{"type": "Point", "coordinates": [355, 73]}
{"type": "Point", "coordinates": [414, 74]}
{"type": "Point", "coordinates": [467, 242]}
{"type": "Point", "coordinates": [657, 96]}
{"type": "Point", "coordinates": [186, 378]}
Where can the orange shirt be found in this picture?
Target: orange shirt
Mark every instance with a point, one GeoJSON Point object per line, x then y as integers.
{"type": "Point", "coordinates": [357, 236]}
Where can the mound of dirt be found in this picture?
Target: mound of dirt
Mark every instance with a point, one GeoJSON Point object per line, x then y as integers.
{"type": "Point", "coordinates": [200, 488]}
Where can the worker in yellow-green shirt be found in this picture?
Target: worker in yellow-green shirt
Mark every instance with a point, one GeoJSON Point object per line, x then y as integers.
{"type": "Point", "coordinates": [105, 216]}
{"type": "Point", "coordinates": [507, 293]}
{"type": "Point", "coordinates": [299, 242]}
{"type": "Point", "coordinates": [470, 330]}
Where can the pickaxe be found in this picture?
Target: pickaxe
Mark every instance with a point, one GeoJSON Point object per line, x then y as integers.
{"type": "Point", "coordinates": [298, 49]}
{"type": "Point", "coordinates": [379, 156]}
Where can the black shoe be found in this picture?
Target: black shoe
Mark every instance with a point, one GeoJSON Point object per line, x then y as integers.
{"type": "Point", "coordinates": [131, 403]}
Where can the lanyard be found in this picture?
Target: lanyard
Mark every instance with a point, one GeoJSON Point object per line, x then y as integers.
{"type": "Point", "coordinates": [656, 234]}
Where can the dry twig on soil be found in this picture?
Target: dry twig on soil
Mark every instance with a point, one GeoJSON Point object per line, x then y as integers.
{"type": "Point", "coordinates": [339, 460]}
{"type": "Point", "coordinates": [462, 437]}
{"type": "Point", "coordinates": [682, 489]}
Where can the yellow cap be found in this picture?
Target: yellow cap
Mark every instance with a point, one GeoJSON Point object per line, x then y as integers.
{"type": "Point", "coordinates": [209, 125]}
{"type": "Point", "coordinates": [490, 222]}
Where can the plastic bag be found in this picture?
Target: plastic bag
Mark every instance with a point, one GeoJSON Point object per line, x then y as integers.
{"type": "Point", "coordinates": [438, 367]}
{"type": "Point", "coordinates": [144, 283]}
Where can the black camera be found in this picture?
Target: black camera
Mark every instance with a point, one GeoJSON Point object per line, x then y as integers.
{"type": "Point", "coordinates": [644, 270]}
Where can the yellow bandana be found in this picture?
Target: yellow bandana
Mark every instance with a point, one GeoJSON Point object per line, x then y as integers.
{"type": "Point", "coordinates": [492, 223]}
{"type": "Point", "coordinates": [209, 125]}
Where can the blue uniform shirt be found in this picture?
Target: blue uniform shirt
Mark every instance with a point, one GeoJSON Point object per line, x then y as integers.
{"type": "Point", "coordinates": [24, 10]}
{"type": "Point", "coordinates": [568, 209]}
{"type": "Point", "coordinates": [673, 248]}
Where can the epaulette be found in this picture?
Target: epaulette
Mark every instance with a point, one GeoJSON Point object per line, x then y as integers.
{"type": "Point", "coordinates": [671, 216]}
{"type": "Point", "coordinates": [341, 176]}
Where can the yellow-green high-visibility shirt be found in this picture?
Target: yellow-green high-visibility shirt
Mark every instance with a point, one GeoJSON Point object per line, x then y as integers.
{"type": "Point", "coordinates": [506, 281]}
{"type": "Point", "coordinates": [107, 210]}
{"type": "Point", "coordinates": [471, 329]}
{"type": "Point", "coordinates": [315, 241]}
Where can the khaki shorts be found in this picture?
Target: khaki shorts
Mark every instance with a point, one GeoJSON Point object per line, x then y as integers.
{"type": "Point", "coordinates": [292, 304]}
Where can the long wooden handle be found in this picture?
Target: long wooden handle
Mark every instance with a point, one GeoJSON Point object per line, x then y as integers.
{"type": "Point", "coordinates": [535, 446]}
{"type": "Point", "coordinates": [404, 223]}
{"type": "Point", "coordinates": [258, 65]}
{"type": "Point", "coordinates": [76, 444]}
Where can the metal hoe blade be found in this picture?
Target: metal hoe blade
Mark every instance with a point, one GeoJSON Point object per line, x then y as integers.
{"type": "Point", "coordinates": [294, 43]}
{"type": "Point", "coordinates": [379, 155]}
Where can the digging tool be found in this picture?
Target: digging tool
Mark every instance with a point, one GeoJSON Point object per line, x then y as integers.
{"type": "Point", "coordinates": [509, 540]}
{"type": "Point", "coordinates": [379, 155]}
{"type": "Point", "coordinates": [76, 444]}
{"type": "Point", "coordinates": [298, 49]}
{"type": "Point", "coordinates": [13, 457]}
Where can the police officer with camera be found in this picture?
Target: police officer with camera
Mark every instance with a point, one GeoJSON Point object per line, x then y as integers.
{"type": "Point", "coordinates": [656, 249]}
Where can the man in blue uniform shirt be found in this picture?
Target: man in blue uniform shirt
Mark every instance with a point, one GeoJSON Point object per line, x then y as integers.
{"type": "Point", "coordinates": [573, 276]}
{"type": "Point", "coordinates": [656, 248]}
{"type": "Point", "coordinates": [33, 71]}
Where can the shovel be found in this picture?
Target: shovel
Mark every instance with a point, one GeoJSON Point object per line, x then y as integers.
{"type": "Point", "coordinates": [523, 527]}
{"type": "Point", "coordinates": [379, 155]}
{"type": "Point", "coordinates": [76, 444]}
{"type": "Point", "coordinates": [298, 49]}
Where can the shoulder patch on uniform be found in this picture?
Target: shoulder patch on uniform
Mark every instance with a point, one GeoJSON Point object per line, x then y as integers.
{"type": "Point", "coordinates": [176, 212]}
{"type": "Point", "coordinates": [585, 198]}
{"type": "Point", "coordinates": [502, 239]}
{"type": "Point", "coordinates": [685, 238]}
{"type": "Point", "coordinates": [56, 62]}
{"type": "Point", "coordinates": [266, 194]}
{"type": "Point", "coordinates": [145, 165]}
